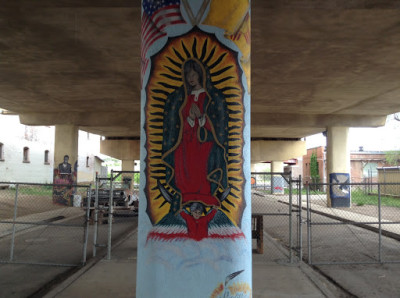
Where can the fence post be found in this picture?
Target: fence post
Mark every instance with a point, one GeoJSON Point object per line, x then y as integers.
{"type": "Point", "coordinates": [290, 220]}
{"type": "Point", "coordinates": [300, 222]}
{"type": "Point", "coordinates": [14, 219]}
{"type": "Point", "coordinates": [308, 223]}
{"type": "Point", "coordinates": [96, 215]}
{"type": "Point", "coordinates": [86, 233]}
{"type": "Point", "coordinates": [380, 223]}
{"type": "Point", "coordinates": [110, 216]}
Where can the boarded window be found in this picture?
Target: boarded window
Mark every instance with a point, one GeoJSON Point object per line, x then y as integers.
{"type": "Point", "coordinates": [46, 157]}
{"type": "Point", "coordinates": [26, 154]}
{"type": "Point", "coordinates": [1, 152]}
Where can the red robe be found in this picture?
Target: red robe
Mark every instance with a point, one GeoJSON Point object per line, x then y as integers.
{"type": "Point", "coordinates": [198, 228]}
{"type": "Point", "coordinates": [191, 159]}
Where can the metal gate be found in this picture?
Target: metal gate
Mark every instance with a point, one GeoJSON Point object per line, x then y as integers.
{"type": "Point", "coordinates": [366, 233]}
{"type": "Point", "coordinates": [35, 230]}
{"type": "Point", "coordinates": [276, 203]}
{"type": "Point", "coordinates": [112, 199]}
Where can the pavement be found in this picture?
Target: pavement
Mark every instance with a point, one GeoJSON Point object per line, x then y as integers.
{"type": "Point", "coordinates": [117, 277]}
{"type": "Point", "coordinates": [273, 276]}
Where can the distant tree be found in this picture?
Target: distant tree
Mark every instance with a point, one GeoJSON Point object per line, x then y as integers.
{"type": "Point", "coordinates": [314, 169]}
{"type": "Point", "coordinates": [392, 157]}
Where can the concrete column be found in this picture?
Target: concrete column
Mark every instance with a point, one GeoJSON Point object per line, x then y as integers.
{"type": "Point", "coordinates": [128, 165]}
{"type": "Point", "coordinates": [338, 167]}
{"type": "Point", "coordinates": [195, 218]}
{"type": "Point", "coordinates": [65, 163]}
{"type": "Point", "coordinates": [277, 181]}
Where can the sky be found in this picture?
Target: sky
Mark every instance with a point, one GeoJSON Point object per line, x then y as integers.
{"type": "Point", "coordinates": [384, 138]}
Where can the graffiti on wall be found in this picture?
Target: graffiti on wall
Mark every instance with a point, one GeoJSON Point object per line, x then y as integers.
{"type": "Point", "coordinates": [64, 179]}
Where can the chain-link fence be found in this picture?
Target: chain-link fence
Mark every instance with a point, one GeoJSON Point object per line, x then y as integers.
{"type": "Point", "coordinates": [114, 207]}
{"type": "Point", "coordinates": [367, 232]}
{"type": "Point", "coordinates": [275, 217]}
{"type": "Point", "coordinates": [34, 229]}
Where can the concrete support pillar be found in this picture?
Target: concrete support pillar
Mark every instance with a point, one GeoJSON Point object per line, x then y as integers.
{"type": "Point", "coordinates": [338, 167]}
{"type": "Point", "coordinates": [195, 199]}
{"type": "Point", "coordinates": [128, 165]}
{"type": "Point", "coordinates": [277, 181]}
{"type": "Point", "coordinates": [65, 163]}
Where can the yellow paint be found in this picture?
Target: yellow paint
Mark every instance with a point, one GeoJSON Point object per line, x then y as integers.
{"type": "Point", "coordinates": [240, 288]}
{"type": "Point", "coordinates": [227, 14]}
{"type": "Point", "coordinates": [233, 16]}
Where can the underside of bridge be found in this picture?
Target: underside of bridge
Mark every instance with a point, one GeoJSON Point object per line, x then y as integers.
{"type": "Point", "coordinates": [315, 64]}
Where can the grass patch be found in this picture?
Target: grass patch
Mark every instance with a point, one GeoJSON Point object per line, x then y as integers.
{"type": "Point", "coordinates": [45, 190]}
{"type": "Point", "coordinates": [360, 199]}
{"type": "Point", "coordinates": [304, 191]}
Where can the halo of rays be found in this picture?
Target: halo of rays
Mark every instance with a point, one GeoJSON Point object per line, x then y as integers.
{"type": "Point", "coordinates": [165, 78]}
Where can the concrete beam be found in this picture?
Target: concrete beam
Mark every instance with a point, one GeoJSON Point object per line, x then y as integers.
{"type": "Point", "coordinates": [316, 120]}
{"type": "Point", "coordinates": [104, 119]}
{"type": "Point", "coordinates": [121, 149]}
{"type": "Point", "coordinates": [276, 150]}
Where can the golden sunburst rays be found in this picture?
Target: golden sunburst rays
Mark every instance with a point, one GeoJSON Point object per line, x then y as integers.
{"type": "Point", "coordinates": [165, 78]}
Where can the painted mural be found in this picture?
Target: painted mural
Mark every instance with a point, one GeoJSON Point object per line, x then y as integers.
{"type": "Point", "coordinates": [195, 116]}
{"type": "Point", "coordinates": [195, 101]}
{"type": "Point", "coordinates": [64, 179]}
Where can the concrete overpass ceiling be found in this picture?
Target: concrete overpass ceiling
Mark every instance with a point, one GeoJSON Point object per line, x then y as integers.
{"type": "Point", "coordinates": [314, 64]}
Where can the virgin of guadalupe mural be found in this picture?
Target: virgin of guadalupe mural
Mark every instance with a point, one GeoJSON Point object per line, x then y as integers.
{"type": "Point", "coordinates": [195, 143]}
{"type": "Point", "coordinates": [196, 151]}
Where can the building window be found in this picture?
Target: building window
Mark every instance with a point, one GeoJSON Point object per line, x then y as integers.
{"type": "Point", "coordinates": [1, 152]}
{"type": "Point", "coordinates": [26, 154]}
{"type": "Point", "coordinates": [46, 157]}
{"type": "Point", "coordinates": [370, 170]}
{"type": "Point", "coordinates": [87, 161]}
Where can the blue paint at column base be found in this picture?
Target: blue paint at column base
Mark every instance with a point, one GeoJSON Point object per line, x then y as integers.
{"type": "Point", "coordinates": [340, 190]}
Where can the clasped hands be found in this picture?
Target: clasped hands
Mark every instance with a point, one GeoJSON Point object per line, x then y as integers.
{"type": "Point", "coordinates": [194, 112]}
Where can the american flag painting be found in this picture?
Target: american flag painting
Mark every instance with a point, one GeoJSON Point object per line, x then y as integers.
{"type": "Point", "coordinates": [163, 12]}
{"type": "Point", "coordinates": [157, 15]}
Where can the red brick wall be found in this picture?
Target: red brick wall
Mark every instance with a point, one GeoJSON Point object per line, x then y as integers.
{"type": "Point", "coordinates": [319, 151]}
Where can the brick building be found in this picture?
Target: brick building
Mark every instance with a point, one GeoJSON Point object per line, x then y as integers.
{"type": "Point", "coordinates": [363, 164]}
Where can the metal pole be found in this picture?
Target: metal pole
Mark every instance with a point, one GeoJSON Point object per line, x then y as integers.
{"type": "Point", "coordinates": [110, 215]}
{"type": "Point", "coordinates": [308, 223]}
{"type": "Point", "coordinates": [380, 224]}
{"type": "Point", "coordinates": [264, 181]}
{"type": "Point", "coordinates": [290, 220]}
{"type": "Point", "coordinates": [96, 215]}
{"type": "Point", "coordinates": [14, 219]}
{"type": "Point", "coordinates": [384, 179]}
{"type": "Point", "coordinates": [300, 224]}
{"type": "Point", "coordinates": [272, 183]}
{"type": "Point", "coordinates": [86, 233]}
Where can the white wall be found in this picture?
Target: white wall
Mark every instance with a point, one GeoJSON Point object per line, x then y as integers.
{"type": "Point", "coordinates": [89, 146]}
{"type": "Point", "coordinates": [15, 137]}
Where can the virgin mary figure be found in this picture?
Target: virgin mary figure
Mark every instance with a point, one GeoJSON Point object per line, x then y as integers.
{"type": "Point", "coordinates": [195, 139]}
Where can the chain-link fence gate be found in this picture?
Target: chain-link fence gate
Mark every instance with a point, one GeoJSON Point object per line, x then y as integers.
{"type": "Point", "coordinates": [36, 230]}
{"type": "Point", "coordinates": [276, 217]}
{"type": "Point", "coordinates": [368, 232]}
{"type": "Point", "coordinates": [115, 205]}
